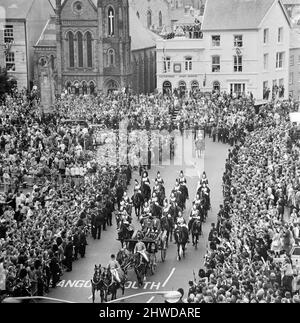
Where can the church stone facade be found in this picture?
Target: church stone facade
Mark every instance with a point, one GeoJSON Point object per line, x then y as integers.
{"type": "Point", "coordinates": [94, 46]}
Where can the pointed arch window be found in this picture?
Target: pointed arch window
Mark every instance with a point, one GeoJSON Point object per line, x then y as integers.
{"type": "Point", "coordinates": [89, 49]}
{"type": "Point", "coordinates": [111, 21]}
{"type": "Point", "coordinates": [80, 49]}
{"type": "Point", "coordinates": [149, 19]}
{"type": "Point", "coordinates": [111, 57]}
{"type": "Point", "coordinates": [70, 39]}
{"type": "Point", "coordinates": [160, 19]}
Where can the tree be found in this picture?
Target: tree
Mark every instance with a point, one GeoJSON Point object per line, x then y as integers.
{"type": "Point", "coordinates": [7, 84]}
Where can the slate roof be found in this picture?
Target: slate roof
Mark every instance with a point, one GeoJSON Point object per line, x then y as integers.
{"type": "Point", "coordinates": [16, 9]}
{"type": "Point", "coordinates": [234, 14]}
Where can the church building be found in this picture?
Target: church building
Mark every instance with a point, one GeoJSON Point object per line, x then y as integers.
{"type": "Point", "coordinates": [92, 47]}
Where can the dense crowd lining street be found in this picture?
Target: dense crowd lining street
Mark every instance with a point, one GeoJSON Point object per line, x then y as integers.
{"type": "Point", "coordinates": [59, 194]}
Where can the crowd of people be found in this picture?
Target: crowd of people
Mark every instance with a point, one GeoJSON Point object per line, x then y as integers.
{"type": "Point", "coordinates": [249, 256]}
{"type": "Point", "coordinates": [57, 188]}
{"type": "Point", "coordinates": [54, 194]}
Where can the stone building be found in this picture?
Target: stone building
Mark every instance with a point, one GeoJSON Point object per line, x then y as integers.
{"type": "Point", "coordinates": [21, 28]}
{"type": "Point", "coordinates": [93, 46]}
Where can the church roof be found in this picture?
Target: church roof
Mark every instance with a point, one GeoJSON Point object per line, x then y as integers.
{"type": "Point", "coordinates": [141, 37]}
{"type": "Point", "coordinates": [235, 14]}
{"type": "Point", "coordinates": [48, 36]}
{"type": "Point", "coordinates": [16, 9]}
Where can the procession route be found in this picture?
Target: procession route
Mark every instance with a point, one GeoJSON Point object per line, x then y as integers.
{"type": "Point", "coordinates": [168, 278]}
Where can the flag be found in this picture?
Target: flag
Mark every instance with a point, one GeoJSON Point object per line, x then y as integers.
{"type": "Point", "coordinates": [204, 81]}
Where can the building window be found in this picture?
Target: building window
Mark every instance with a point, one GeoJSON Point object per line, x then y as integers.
{"type": "Point", "coordinates": [10, 62]}
{"type": "Point", "coordinates": [266, 90]}
{"type": "Point", "coordinates": [8, 34]}
{"type": "Point", "coordinates": [266, 36]}
{"type": "Point", "coordinates": [238, 41]}
{"type": "Point", "coordinates": [279, 59]}
{"type": "Point", "coordinates": [237, 63]}
{"type": "Point", "coordinates": [111, 57]}
{"type": "Point", "coordinates": [291, 78]}
{"type": "Point", "coordinates": [160, 19]}
{"type": "Point", "coordinates": [149, 19]}
{"type": "Point", "coordinates": [71, 49]}
{"type": "Point", "coordinates": [266, 61]}
{"type": "Point", "coordinates": [89, 49]}
{"type": "Point", "coordinates": [216, 86]}
{"type": "Point", "coordinates": [281, 88]}
{"type": "Point", "coordinates": [292, 60]}
{"type": "Point", "coordinates": [167, 64]}
{"type": "Point", "coordinates": [80, 49]}
{"type": "Point", "coordinates": [216, 40]}
{"type": "Point", "coordinates": [280, 35]}
{"type": "Point", "coordinates": [138, 14]}
{"type": "Point", "coordinates": [111, 22]}
{"type": "Point", "coordinates": [188, 64]}
{"type": "Point", "coordinates": [216, 67]}
{"type": "Point", "coordinates": [195, 86]}
{"type": "Point", "coordinates": [182, 87]}
{"type": "Point", "coordinates": [237, 88]}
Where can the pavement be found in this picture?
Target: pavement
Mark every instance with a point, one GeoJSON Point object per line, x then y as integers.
{"type": "Point", "coordinates": [171, 274]}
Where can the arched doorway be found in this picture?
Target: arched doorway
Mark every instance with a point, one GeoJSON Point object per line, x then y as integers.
{"type": "Point", "coordinates": [195, 86]}
{"type": "Point", "coordinates": [92, 87]}
{"type": "Point", "coordinates": [76, 86]}
{"type": "Point", "coordinates": [167, 87]}
{"type": "Point", "coordinates": [84, 88]}
{"type": "Point", "coordinates": [112, 86]}
{"type": "Point", "coordinates": [216, 86]}
{"type": "Point", "coordinates": [182, 88]}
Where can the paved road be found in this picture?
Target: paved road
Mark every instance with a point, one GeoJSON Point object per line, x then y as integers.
{"type": "Point", "coordinates": [171, 274]}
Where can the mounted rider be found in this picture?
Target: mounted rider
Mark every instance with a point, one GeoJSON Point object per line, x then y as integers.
{"type": "Point", "coordinates": [140, 249]}
{"type": "Point", "coordinates": [203, 179]}
{"type": "Point", "coordinates": [194, 216]}
{"type": "Point", "coordinates": [145, 179]}
{"type": "Point", "coordinates": [182, 179]}
{"type": "Point", "coordinates": [181, 223]}
{"type": "Point", "coordinates": [137, 186]}
{"type": "Point", "coordinates": [115, 269]}
{"type": "Point", "coordinates": [158, 179]}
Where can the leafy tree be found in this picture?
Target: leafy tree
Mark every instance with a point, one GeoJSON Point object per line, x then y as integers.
{"type": "Point", "coordinates": [7, 84]}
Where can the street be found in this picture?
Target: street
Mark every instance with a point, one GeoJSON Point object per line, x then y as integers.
{"type": "Point", "coordinates": [172, 274]}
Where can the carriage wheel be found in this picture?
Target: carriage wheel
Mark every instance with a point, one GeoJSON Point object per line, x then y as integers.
{"type": "Point", "coordinates": [163, 254]}
{"type": "Point", "coordinates": [153, 265]}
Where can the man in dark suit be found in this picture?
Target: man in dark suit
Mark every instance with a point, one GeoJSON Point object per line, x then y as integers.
{"type": "Point", "coordinates": [98, 223]}
{"type": "Point", "coordinates": [69, 254]}
{"type": "Point", "coordinates": [82, 243]}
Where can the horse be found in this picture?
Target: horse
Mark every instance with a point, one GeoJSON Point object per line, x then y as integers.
{"type": "Point", "coordinates": [124, 233]}
{"type": "Point", "coordinates": [140, 268]}
{"type": "Point", "coordinates": [112, 284]}
{"type": "Point", "coordinates": [196, 231]}
{"type": "Point", "coordinates": [167, 224]}
{"type": "Point", "coordinates": [137, 200]}
{"type": "Point", "coordinates": [146, 192]}
{"type": "Point", "coordinates": [181, 236]}
{"type": "Point", "coordinates": [98, 284]}
{"type": "Point", "coordinates": [156, 210]}
{"type": "Point", "coordinates": [184, 194]}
